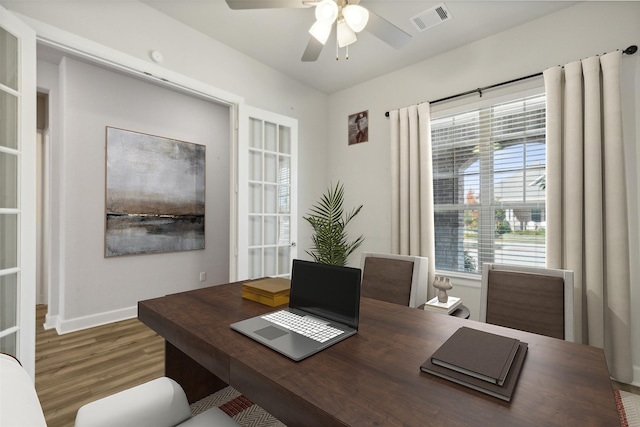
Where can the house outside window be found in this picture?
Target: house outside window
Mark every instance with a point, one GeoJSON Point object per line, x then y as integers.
{"type": "Point", "coordinates": [489, 184]}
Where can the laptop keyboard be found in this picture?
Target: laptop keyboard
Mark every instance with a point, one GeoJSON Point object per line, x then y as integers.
{"type": "Point", "coordinates": [311, 328]}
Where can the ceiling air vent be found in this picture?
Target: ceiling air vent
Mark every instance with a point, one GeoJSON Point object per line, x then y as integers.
{"type": "Point", "coordinates": [431, 17]}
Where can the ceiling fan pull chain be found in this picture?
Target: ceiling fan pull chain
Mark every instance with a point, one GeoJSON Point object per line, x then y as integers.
{"type": "Point", "coordinates": [346, 50]}
{"type": "Point", "coordinates": [337, 49]}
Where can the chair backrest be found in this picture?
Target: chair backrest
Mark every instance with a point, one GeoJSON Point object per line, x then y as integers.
{"type": "Point", "coordinates": [538, 300]}
{"type": "Point", "coordinates": [400, 279]}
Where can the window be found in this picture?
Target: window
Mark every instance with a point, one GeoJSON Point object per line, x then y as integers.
{"type": "Point", "coordinates": [489, 185]}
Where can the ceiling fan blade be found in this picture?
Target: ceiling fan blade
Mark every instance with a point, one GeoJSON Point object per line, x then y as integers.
{"type": "Point", "coordinates": [387, 32]}
{"type": "Point", "coordinates": [312, 52]}
{"type": "Point", "coordinates": [267, 4]}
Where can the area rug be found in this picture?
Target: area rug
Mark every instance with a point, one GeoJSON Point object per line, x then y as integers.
{"type": "Point", "coordinates": [242, 410]}
{"type": "Point", "coordinates": [248, 414]}
{"type": "Point", "coordinates": [628, 408]}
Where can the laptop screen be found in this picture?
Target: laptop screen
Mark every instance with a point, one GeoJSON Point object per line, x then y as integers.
{"type": "Point", "coordinates": [327, 291]}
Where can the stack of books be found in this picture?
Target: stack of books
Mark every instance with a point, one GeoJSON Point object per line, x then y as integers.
{"type": "Point", "coordinates": [271, 291]}
{"type": "Point", "coordinates": [443, 307]}
{"type": "Point", "coordinates": [480, 360]}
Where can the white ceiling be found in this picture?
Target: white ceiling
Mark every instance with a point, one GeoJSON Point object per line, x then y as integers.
{"type": "Point", "coordinates": [278, 37]}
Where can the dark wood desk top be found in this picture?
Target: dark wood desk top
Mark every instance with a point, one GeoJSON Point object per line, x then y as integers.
{"type": "Point", "coordinates": [374, 377]}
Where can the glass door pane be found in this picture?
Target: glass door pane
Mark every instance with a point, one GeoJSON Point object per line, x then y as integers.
{"type": "Point", "coordinates": [9, 122]}
{"type": "Point", "coordinates": [9, 64]}
{"type": "Point", "coordinates": [8, 180]}
{"type": "Point", "coordinates": [9, 298]}
{"type": "Point", "coordinates": [8, 241]}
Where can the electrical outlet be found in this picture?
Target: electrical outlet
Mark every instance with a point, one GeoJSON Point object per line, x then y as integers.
{"type": "Point", "coordinates": [203, 276]}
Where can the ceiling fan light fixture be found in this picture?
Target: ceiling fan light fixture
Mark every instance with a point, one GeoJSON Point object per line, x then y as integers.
{"type": "Point", "coordinates": [320, 31]}
{"type": "Point", "coordinates": [356, 17]}
{"type": "Point", "coordinates": [327, 11]}
{"type": "Point", "coordinates": [346, 36]}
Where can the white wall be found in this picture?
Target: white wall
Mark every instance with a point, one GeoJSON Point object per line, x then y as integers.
{"type": "Point", "coordinates": [135, 29]}
{"type": "Point", "coordinates": [552, 40]}
{"type": "Point", "coordinates": [98, 289]}
{"type": "Point", "coordinates": [556, 39]}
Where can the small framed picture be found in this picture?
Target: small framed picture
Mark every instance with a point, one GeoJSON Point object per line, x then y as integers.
{"type": "Point", "coordinates": [359, 127]}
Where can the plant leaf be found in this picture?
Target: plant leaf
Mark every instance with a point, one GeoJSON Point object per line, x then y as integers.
{"type": "Point", "coordinates": [328, 220]}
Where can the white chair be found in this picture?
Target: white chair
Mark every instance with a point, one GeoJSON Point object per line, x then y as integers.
{"type": "Point", "coordinates": [538, 300]}
{"type": "Point", "coordinates": [157, 403]}
{"type": "Point", "coordinates": [19, 403]}
{"type": "Point", "coordinates": [400, 279]}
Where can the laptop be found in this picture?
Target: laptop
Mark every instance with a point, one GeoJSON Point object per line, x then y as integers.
{"type": "Point", "coordinates": [325, 296]}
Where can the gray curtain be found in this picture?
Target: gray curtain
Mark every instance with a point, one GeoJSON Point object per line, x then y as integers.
{"type": "Point", "coordinates": [587, 224]}
{"type": "Point", "coordinates": [412, 227]}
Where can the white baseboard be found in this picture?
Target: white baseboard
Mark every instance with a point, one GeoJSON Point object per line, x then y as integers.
{"type": "Point", "coordinates": [86, 322]}
{"type": "Point", "coordinates": [50, 322]}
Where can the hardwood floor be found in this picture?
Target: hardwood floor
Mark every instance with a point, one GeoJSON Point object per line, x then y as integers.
{"type": "Point", "coordinates": [79, 367]}
{"type": "Point", "coordinates": [626, 387]}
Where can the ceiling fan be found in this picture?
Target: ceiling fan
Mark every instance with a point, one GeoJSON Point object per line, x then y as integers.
{"type": "Point", "coordinates": [350, 18]}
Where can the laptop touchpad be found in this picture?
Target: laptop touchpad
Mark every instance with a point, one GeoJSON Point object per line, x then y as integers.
{"type": "Point", "coordinates": [271, 332]}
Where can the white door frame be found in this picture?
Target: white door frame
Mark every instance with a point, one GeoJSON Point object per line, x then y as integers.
{"type": "Point", "coordinates": [25, 270]}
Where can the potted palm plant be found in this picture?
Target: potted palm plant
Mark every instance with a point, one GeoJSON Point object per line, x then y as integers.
{"type": "Point", "coordinates": [329, 221]}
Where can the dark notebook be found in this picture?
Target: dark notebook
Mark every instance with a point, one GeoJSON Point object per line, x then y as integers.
{"type": "Point", "coordinates": [503, 392]}
{"type": "Point", "coordinates": [480, 354]}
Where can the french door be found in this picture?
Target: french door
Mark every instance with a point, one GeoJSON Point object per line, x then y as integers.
{"type": "Point", "coordinates": [17, 189]}
{"type": "Point", "coordinates": [267, 193]}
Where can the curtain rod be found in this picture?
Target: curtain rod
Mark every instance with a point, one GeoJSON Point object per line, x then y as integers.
{"type": "Point", "coordinates": [629, 51]}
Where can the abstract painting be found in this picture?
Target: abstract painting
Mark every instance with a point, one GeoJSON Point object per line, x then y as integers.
{"type": "Point", "coordinates": [155, 194]}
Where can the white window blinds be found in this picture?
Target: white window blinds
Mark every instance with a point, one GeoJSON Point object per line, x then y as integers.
{"type": "Point", "coordinates": [489, 185]}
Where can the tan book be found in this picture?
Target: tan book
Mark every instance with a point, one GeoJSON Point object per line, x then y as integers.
{"type": "Point", "coordinates": [271, 291]}
{"type": "Point", "coordinates": [479, 354]}
{"type": "Point", "coordinates": [504, 391]}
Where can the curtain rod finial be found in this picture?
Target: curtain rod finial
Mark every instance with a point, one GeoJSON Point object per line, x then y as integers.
{"type": "Point", "coordinates": [631, 50]}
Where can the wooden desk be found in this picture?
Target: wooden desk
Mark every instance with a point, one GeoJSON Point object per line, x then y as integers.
{"type": "Point", "coordinates": [374, 377]}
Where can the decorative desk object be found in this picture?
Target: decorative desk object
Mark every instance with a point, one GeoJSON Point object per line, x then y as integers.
{"type": "Point", "coordinates": [442, 284]}
{"type": "Point", "coordinates": [443, 303]}
{"type": "Point", "coordinates": [271, 291]}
